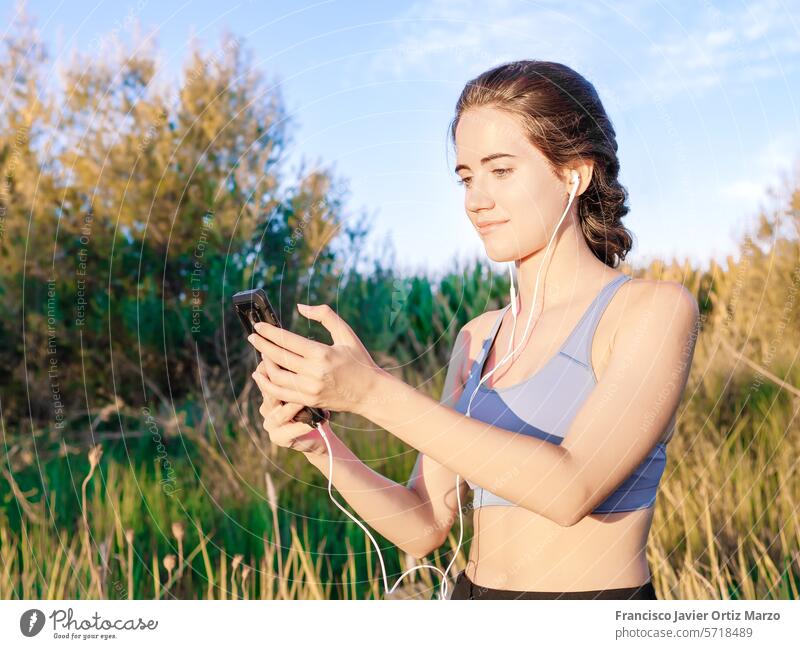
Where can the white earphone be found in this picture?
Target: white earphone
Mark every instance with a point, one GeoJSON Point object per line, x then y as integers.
{"type": "Point", "coordinates": [575, 181]}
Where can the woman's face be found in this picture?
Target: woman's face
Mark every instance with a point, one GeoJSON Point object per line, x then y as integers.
{"type": "Point", "coordinates": [517, 189]}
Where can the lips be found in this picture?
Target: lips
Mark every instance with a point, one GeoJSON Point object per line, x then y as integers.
{"type": "Point", "coordinates": [489, 226]}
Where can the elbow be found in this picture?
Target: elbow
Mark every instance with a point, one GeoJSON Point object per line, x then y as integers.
{"type": "Point", "coordinates": [416, 551]}
{"type": "Point", "coordinates": [420, 553]}
{"type": "Point", "coordinates": [422, 549]}
{"type": "Point", "coordinates": [572, 512]}
{"type": "Point", "coordinates": [431, 548]}
{"type": "Point", "coordinates": [562, 516]}
{"type": "Point", "coordinates": [573, 517]}
{"type": "Point", "coordinates": [576, 503]}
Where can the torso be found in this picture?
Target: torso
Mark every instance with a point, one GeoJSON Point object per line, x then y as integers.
{"type": "Point", "coordinates": [516, 549]}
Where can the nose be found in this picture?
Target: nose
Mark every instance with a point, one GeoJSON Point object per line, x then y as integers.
{"type": "Point", "coordinates": [476, 200]}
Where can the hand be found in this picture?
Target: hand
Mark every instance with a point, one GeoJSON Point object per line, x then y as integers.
{"type": "Point", "coordinates": [338, 376]}
{"type": "Point", "coordinates": [279, 424]}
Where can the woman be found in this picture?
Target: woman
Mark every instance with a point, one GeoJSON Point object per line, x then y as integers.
{"type": "Point", "coordinates": [564, 445]}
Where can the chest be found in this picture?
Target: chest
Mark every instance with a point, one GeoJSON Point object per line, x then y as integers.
{"type": "Point", "coordinates": [542, 344]}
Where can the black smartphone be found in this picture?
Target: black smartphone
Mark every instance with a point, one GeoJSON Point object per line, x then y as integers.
{"type": "Point", "coordinates": [253, 306]}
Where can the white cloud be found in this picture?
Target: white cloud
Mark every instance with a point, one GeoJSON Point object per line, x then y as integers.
{"type": "Point", "coordinates": [775, 158]}
{"type": "Point", "coordinates": [652, 52]}
{"type": "Point", "coordinates": [749, 191]}
{"type": "Point", "coordinates": [471, 36]}
{"type": "Point", "coordinates": [738, 46]}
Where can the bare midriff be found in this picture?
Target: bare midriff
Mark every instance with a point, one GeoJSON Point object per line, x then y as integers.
{"type": "Point", "coordinates": [516, 549]}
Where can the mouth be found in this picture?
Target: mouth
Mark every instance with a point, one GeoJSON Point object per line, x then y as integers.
{"type": "Point", "coordinates": [490, 227]}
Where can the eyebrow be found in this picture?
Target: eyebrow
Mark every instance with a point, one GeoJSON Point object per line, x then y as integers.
{"type": "Point", "coordinates": [485, 160]}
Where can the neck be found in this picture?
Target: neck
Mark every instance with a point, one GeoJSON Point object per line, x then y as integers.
{"type": "Point", "coordinates": [564, 273]}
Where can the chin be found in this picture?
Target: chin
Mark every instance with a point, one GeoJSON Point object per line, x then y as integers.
{"type": "Point", "coordinates": [500, 255]}
{"type": "Point", "coordinates": [505, 251]}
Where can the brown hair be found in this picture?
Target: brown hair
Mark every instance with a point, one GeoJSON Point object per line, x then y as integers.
{"type": "Point", "coordinates": [563, 117]}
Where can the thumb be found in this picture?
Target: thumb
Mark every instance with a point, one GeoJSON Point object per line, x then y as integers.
{"type": "Point", "coordinates": [340, 331]}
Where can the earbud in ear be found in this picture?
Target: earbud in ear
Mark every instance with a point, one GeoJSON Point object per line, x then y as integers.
{"type": "Point", "coordinates": [576, 179]}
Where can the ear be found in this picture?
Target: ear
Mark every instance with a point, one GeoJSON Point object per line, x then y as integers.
{"type": "Point", "coordinates": [585, 168]}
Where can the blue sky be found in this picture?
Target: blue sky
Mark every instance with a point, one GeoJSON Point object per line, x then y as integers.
{"type": "Point", "coordinates": [703, 96]}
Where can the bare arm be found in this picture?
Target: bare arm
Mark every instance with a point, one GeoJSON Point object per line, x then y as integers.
{"type": "Point", "coordinates": [416, 517]}
{"type": "Point", "coordinates": [618, 424]}
{"type": "Point", "coordinates": [393, 510]}
{"type": "Point", "coordinates": [433, 482]}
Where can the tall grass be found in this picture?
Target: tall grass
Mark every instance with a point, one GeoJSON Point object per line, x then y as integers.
{"type": "Point", "coordinates": [253, 521]}
{"type": "Point", "coordinates": [135, 543]}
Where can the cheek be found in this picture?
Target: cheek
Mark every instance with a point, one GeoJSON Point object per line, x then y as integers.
{"type": "Point", "coordinates": [520, 203]}
{"type": "Point", "coordinates": [522, 234]}
{"type": "Point", "coordinates": [528, 231]}
{"type": "Point", "coordinates": [534, 208]}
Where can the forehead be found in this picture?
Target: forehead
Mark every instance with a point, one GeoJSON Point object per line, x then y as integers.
{"type": "Point", "coordinates": [487, 130]}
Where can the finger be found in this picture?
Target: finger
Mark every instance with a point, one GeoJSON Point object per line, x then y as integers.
{"type": "Point", "coordinates": [284, 378]}
{"type": "Point", "coordinates": [269, 406]}
{"type": "Point", "coordinates": [340, 331]}
{"type": "Point", "coordinates": [288, 411]}
{"type": "Point", "coordinates": [288, 433]}
{"type": "Point", "coordinates": [305, 443]}
{"type": "Point", "coordinates": [298, 344]}
{"type": "Point", "coordinates": [279, 355]}
{"type": "Point", "coordinates": [281, 393]}
{"type": "Point", "coordinates": [266, 367]}
{"type": "Point", "coordinates": [270, 399]}
{"type": "Point", "coordinates": [302, 443]}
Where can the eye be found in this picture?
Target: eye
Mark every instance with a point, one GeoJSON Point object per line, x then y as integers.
{"type": "Point", "coordinates": [464, 181]}
{"type": "Point", "coordinates": [502, 172]}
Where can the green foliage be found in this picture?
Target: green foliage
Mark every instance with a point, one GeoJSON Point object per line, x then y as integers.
{"type": "Point", "coordinates": [128, 217]}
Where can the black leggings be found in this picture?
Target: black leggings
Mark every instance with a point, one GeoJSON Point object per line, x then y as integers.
{"type": "Point", "coordinates": [465, 589]}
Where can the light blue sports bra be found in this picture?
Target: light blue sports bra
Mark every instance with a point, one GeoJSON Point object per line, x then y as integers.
{"type": "Point", "coordinates": [545, 404]}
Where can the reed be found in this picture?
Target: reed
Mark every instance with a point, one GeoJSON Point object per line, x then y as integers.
{"type": "Point", "coordinates": [726, 523]}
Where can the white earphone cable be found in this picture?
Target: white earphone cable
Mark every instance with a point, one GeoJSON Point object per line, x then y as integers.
{"type": "Point", "coordinates": [443, 591]}
{"type": "Point", "coordinates": [573, 191]}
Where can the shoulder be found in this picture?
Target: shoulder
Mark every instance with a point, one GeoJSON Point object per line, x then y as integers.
{"type": "Point", "coordinates": [466, 347]}
{"type": "Point", "coordinates": [660, 319]}
{"type": "Point", "coordinates": [660, 304]}
{"type": "Point", "coordinates": [648, 294]}
{"type": "Point", "coordinates": [481, 325]}
{"type": "Point", "coordinates": [477, 330]}
{"type": "Point", "coordinates": [471, 337]}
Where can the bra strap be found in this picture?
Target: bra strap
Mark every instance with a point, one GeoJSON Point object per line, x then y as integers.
{"type": "Point", "coordinates": [578, 344]}
{"type": "Point", "coordinates": [477, 365]}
